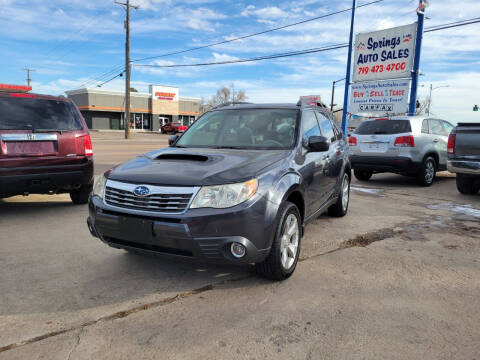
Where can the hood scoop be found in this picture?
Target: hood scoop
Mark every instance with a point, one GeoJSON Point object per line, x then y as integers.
{"type": "Point", "coordinates": [182, 157]}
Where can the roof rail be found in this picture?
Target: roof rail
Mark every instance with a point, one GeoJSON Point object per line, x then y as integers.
{"type": "Point", "coordinates": [231, 103]}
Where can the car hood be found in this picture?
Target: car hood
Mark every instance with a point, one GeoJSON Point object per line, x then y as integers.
{"type": "Point", "coordinates": [191, 167]}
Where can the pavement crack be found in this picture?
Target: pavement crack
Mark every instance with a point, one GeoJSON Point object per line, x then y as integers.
{"type": "Point", "coordinates": [122, 314]}
{"type": "Point", "coordinates": [362, 240]}
{"type": "Point", "coordinates": [77, 342]}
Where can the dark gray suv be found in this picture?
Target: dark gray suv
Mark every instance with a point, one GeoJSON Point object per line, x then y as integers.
{"type": "Point", "coordinates": [238, 186]}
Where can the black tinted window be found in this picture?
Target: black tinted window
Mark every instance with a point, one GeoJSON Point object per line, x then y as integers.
{"type": "Point", "coordinates": [386, 127]}
{"type": "Point", "coordinates": [310, 126]}
{"type": "Point", "coordinates": [326, 127]}
{"type": "Point", "coordinates": [39, 114]}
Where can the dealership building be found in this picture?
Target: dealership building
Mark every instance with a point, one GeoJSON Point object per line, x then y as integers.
{"type": "Point", "coordinates": [148, 111]}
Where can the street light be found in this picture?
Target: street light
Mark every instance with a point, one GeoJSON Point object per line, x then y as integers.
{"type": "Point", "coordinates": [430, 97]}
{"type": "Point", "coordinates": [333, 92]}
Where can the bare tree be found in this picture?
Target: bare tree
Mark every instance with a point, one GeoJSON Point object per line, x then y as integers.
{"type": "Point", "coordinates": [226, 95]}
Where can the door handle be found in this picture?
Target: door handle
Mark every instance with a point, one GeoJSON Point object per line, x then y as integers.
{"type": "Point", "coordinates": [436, 141]}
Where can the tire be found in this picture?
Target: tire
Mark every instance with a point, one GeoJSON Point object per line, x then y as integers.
{"type": "Point", "coordinates": [363, 175]}
{"type": "Point", "coordinates": [466, 184]}
{"type": "Point", "coordinates": [425, 177]}
{"type": "Point", "coordinates": [80, 196]}
{"type": "Point", "coordinates": [274, 267]}
{"type": "Point", "coordinates": [340, 208]}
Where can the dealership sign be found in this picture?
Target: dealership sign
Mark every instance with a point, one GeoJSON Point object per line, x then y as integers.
{"type": "Point", "coordinates": [385, 54]}
{"type": "Point", "coordinates": [380, 97]}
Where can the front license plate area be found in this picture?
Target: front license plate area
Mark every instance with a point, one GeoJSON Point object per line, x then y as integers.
{"type": "Point", "coordinates": [136, 230]}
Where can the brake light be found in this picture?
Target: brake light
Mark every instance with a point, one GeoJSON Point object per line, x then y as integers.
{"type": "Point", "coordinates": [352, 141]}
{"type": "Point", "coordinates": [405, 141]}
{"type": "Point", "coordinates": [23, 95]}
{"type": "Point", "coordinates": [14, 88]}
{"type": "Point", "coordinates": [451, 143]}
{"type": "Point", "coordinates": [381, 119]}
{"type": "Point", "coordinates": [84, 145]}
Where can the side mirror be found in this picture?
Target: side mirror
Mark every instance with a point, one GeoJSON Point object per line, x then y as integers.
{"type": "Point", "coordinates": [318, 143]}
{"type": "Point", "coordinates": [172, 140]}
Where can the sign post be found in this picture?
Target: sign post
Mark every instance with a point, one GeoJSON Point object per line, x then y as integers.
{"type": "Point", "coordinates": [416, 64]}
{"type": "Point", "coordinates": [349, 69]}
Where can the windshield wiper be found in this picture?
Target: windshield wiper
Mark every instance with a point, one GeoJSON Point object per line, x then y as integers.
{"type": "Point", "coordinates": [180, 146]}
{"type": "Point", "coordinates": [230, 147]}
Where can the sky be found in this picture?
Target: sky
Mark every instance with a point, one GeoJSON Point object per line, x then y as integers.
{"type": "Point", "coordinates": [70, 43]}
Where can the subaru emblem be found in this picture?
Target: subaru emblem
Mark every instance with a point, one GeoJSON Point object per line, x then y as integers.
{"type": "Point", "coordinates": [141, 191]}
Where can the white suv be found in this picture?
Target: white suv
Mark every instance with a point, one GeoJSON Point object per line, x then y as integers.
{"type": "Point", "coordinates": [412, 146]}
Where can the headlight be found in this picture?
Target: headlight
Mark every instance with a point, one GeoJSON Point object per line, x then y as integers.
{"type": "Point", "coordinates": [224, 196]}
{"type": "Point", "coordinates": [99, 186]}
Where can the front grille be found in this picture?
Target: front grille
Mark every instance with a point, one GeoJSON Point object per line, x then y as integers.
{"type": "Point", "coordinates": [166, 203]}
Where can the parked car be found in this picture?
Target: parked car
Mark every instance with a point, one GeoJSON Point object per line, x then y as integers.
{"type": "Point", "coordinates": [464, 156]}
{"type": "Point", "coordinates": [412, 146]}
{"type": "Point", "coordinates": [45, 147]}
{"type": "Point", "coordinates": [173, 128]}
{"type": "Point", "coordinates": [238, 187]}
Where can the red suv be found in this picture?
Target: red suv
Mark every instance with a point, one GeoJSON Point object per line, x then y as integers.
{"type": "Point", "coordinates": [173, 127]}
{"type": "Point", "coordinates": [45, 147]}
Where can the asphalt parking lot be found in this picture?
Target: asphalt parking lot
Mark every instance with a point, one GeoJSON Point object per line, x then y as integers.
{"type": "Point", "coordinates": [397, 278]}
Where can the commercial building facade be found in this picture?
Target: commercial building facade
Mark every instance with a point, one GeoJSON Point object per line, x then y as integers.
{"type": "Point", "coordinates": [148, 111]}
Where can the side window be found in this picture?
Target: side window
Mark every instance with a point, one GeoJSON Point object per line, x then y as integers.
{"type": "Point", "coordinates": [448, 127]}
{"type": "Point", "coordinates": [326, 127]}
{"type": "Point", "coordinates": [436, 127]}
{"type": "Point", "coordinates": [310, 126]}
{"type": "Point", "coordinates": [425, 128]}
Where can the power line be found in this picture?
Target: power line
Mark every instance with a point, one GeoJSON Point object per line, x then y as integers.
{"type": "Point", "coordinates": [105, 75]}
{"type": "Point", "coordinates": [113, 78]}
{"type": "Point", "coordinates": [258, 58]}
{"type": "Point", "coordinates": [302, 52]}
{"type": "Point", "coordinates": [256, 34]}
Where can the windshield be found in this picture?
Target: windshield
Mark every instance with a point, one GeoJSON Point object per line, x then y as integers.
{"type": "Point", "coordinates": [17, 113]}
{"type": "Point", "coordinates": [243, 129]}
{"type": "Point", "coordinates": [384, 127]}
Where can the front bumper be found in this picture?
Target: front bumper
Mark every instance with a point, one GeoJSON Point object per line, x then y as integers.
{"type": "Point", "coordinates": [201, 234]}
{"type": "Point", "coordinates": [464, 167]}
{"type": "Point", "coordinates": [398, 164]}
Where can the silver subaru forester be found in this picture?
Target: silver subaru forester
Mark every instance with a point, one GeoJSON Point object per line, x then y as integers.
{"type": "Point", "coordinates": [412, 146]}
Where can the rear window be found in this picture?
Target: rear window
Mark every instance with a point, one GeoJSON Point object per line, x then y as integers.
{"type": "Point", "coordinates": [17, 113]}
{"type": "Point", "coordinates": [384, 127]}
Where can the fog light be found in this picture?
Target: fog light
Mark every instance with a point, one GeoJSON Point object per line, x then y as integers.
{"type": "Point", "coordinates": [238, 250]}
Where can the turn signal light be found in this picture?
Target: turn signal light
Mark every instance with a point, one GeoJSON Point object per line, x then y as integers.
{"type": "Point", "coordinates": [405, 141]}
{"type": "Point", "coordinates": [352, 141]}
{"type": "Point", "coordinates": [451, 143]}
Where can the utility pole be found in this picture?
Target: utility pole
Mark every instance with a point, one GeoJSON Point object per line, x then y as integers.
{"type": "Point", "coordinates": [349, 71]}
{"type": "Point", "coordinates": [29, 79]}
{"type": "Point", "coordinates": [233, 94]}
{"type": "Point", "coordinates": [127, 7]}
{"type": "Point", "coordinates": [430, 96]}
{"type": "Point", "coordinates": [333, 93]}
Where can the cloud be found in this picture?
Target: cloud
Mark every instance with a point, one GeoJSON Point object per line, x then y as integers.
{"type": "Point", "coordinates": [270, 12]}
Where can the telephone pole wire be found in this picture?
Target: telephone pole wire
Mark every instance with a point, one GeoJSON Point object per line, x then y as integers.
{"type": "Point", "coordinates": [127, 7]}
{"type": "Point", "coordinates": [29, 79]}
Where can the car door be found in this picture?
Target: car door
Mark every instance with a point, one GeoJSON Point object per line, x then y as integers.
{"type": "Point", "coordinates": [313, 165]}
{"type": "Point", "coordinates": [334, 157]}
{"type": "Point", "coordinates": [439, 138]}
